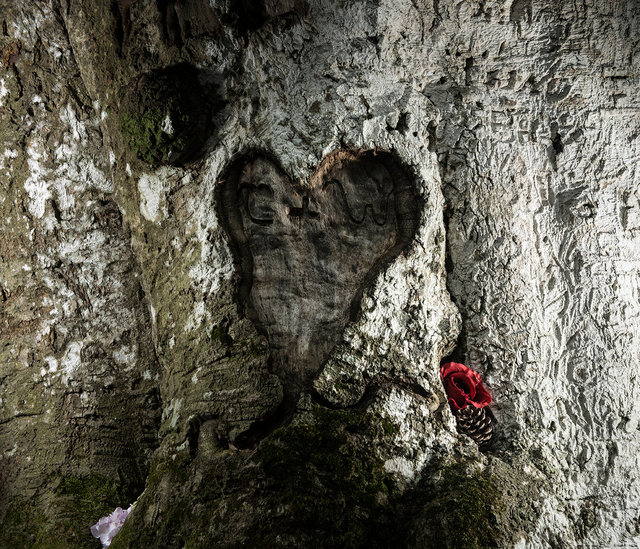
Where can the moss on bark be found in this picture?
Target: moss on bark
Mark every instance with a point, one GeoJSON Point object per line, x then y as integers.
{"type": "Point", "coordinates": [458, 506]}
{"type": "Point", "coordinates": [316, 483]}
{"type": "Point", "coordinates": [164, 115]}
{"type": "Point", "coordinates": [63, 519]}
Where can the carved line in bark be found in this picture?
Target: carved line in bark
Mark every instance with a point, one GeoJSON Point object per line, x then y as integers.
{"type": "Point", "coordinates": [306, 252]}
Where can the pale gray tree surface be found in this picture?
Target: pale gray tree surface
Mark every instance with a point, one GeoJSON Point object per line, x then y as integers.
{"type": "Point", "coordinates": [239, 238]}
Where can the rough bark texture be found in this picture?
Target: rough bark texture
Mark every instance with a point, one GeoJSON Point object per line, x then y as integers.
{"type": "Point", "coordinates": [139, 357]}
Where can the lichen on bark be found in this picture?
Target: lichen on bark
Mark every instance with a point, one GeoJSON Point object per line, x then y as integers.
{"type": "Point", "coordinates": [124, 349]}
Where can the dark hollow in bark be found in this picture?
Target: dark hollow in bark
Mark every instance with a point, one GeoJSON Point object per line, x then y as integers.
{"type": "Point", "coordinates": [165, 115]}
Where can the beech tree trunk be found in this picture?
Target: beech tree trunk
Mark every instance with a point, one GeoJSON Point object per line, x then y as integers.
{"type": "Point", "coordinates": [238, 239]}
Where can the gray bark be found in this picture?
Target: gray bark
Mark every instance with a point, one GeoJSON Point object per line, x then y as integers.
{"type": "Point", "coordinates": [238, 241]}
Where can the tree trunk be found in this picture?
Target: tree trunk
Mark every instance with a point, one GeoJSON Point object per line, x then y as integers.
{"type": "Point", "coordinates": [240, 238]}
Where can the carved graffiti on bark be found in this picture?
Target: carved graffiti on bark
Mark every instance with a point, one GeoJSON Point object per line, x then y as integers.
{"type": "Point", "coordinates": [307, 252]}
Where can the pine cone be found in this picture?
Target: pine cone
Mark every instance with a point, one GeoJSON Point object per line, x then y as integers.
{"type": "Point", "coordinates": [475, 423]}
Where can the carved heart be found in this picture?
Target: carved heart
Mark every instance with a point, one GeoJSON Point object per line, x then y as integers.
{"type": "Point", "coordinates": [308, 251]}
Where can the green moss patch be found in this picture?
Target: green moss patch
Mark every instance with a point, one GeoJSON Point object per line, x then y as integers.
{"type": "Point", "coordinates": [319, 482]}
{"type": "Point", "coordinates": [23, 525]}
{"type": "Point", "coordinates": [147, 138]}
{"type": "Point", "coordinates": [164, 115]}
{"type": "Point", "coordinates": [327, 484]}
{"type": "Point", "coordinates": [64, 519]}
{"type": "Point", "coordinates": [458, 510]}
{"type": "Point", "coordinates": [315, 483]}
{"type": "Point", "coordinates": [220, 335]}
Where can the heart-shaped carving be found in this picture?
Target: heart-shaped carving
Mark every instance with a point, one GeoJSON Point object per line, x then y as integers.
{"type": "Point", "coordinates": [308, 251]}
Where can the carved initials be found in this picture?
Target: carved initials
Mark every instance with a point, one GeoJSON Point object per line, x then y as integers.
{"type": "Point", "coordinates": [304, 267]}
